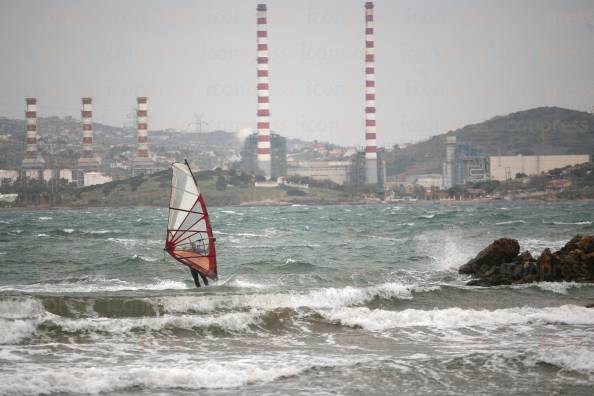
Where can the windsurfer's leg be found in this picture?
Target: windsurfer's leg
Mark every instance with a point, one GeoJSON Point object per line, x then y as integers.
{"type": "Point", "coordinates": [195, 276]}
{"type": "Point", "coordinates": [204, 279]}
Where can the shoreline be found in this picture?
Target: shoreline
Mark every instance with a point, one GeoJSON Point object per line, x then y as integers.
{"type": "Point", "coordinates": [269, 202]}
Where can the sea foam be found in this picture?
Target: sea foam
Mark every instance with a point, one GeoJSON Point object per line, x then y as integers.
{"type": "Point", "coordinates": [455, 318]}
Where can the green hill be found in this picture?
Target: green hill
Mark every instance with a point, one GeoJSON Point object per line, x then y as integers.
{"type": "Point", "coordinates": [543, 130]}
{"type": "Point", "coordinates": [153, 190]}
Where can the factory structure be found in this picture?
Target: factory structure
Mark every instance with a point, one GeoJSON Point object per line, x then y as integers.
{"type": "Point", "coordinates": [504, 168]}
{"type": "Point", "coordinates": [266, 151]}
{"type": "Point", "coordinates": [88, 169]}
{"type": "Point", "coordinates": [466, 164]}
{"type": "Point", "coordinates": [277, 165]}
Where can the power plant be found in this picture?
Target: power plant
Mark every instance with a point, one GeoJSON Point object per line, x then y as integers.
{"type": "Point", "coordinates": [367, 167]}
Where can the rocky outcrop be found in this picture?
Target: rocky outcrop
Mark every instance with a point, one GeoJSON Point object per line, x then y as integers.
{"type": "Point", "coordinates": [500, 264]}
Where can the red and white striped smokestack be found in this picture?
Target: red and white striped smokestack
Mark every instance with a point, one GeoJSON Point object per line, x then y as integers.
{"type": "Point", "coordinates": [264, 162]}
{"type": "Point", "coordinates": [31, 116]}
{"type": "Point", "coordinates": [370, 132]}
{"type": "Point", "coordinates": [87, 160]}
{"type": "Point", "coordinates": [142, 127]}
{"type": "Point", "coordinates": [87, 128]}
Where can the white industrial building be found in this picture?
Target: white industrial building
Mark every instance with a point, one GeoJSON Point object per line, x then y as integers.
{"type": "Point", "coordinates": [93, 178]}
{"type": "Point", "coordinates": [507, 167]}
{"type": "Point", "coordinates": [336, 171]}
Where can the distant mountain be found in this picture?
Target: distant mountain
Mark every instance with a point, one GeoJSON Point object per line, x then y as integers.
{"type": "Point", "coordinates": [543, 130]}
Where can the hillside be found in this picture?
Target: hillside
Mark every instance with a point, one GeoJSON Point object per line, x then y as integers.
{"type": "Point", "coordinates": [543, 130]}
{"type": "Point", "coordinates": [153, 190]}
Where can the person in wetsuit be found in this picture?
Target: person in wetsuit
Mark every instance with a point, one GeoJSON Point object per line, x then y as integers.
{"type": "Point", "coordinates": [195, 275]}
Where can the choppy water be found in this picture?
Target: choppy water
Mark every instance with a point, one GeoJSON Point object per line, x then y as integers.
{"type": "Point", "coordinates": [311, 300]}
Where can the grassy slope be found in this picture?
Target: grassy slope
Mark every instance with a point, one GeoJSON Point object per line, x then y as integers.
{"type": "Point", "coordinates": [153, 190]}
{"type": "Point", "coordinates": [544, 130]}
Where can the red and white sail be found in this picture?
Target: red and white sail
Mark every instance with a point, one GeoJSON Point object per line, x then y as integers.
{"type": "Point", "coordinates": [189, 234]}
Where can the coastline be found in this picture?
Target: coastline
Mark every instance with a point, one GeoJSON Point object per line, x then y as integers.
{"type": "Point", "coordinates": [271, 202]}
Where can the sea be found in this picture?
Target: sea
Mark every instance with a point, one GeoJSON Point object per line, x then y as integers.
{"type": "Point", "coordinates": [311, 300]}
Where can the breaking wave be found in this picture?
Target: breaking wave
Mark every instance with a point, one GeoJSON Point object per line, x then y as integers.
{"type": "Point", "coordinates": [92, 285]}
{"type": "Point", "coordinates": [455, 318]}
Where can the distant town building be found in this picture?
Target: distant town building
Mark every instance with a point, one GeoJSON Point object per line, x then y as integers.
{"type": "Point", "coordinates": [66, 174]}
{"type": "Point", "coordinates": [93, 178]}
{"type": "Point", "coordinates": [11, 175]}
{"type": "Point", "coordinates": [507, 167]}
{"type": "Point", "coordinates": [8, 198]}
{"type": "Point", "coordinates": [336, 171]}
{"type": "Point", "coordinates": [464, 163]}
{"type": "Point", "coordinates": [278, 155]}
{"type": "Point", "coordinates": [34, 174]}
{"type": "Point", "coordinates": [49, 174]}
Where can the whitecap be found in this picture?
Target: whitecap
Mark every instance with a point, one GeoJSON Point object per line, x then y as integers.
{"type": "Point", "coordinates": [326, 298]}
{"type": "Point", "coordinates": [232, 372]}
{"type": "Point", "coordinates": [93, 285]}
{"type": "Point", "coordinates": [511, 222]}
{"type": "Point", "coordinates": [456, 318]}
{"type": "Point", "coordinates": [145, 258]}
{"type": "Point", "coordinates": [45, 218]}
{"type": "Point", "coordinates": [571, 358]}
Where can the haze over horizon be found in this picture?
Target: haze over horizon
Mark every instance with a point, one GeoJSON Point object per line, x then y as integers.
{"type": "Point", "coordinates": [439, 65]}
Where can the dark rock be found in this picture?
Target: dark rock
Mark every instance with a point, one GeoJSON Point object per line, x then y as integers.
{"type": "Point", "coordinates": [586, 244]}
{"type": "Point", "coordinates": [500, 264]}
{"type": "Point", "coordinates": [501, 251]}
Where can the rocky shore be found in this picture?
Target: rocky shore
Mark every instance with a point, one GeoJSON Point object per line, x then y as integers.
{"type": "Point", "coordinates": [501, 263]}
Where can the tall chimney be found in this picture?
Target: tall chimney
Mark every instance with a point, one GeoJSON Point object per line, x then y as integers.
{"type": "Point", "coordinates": [142, 163]}
{"type": "Point", "coordinates": [87, 160]}
{"type": "Point", "coordinates": [264, 159]}
{"type": "Point", "coordinates": [32, 160]}
{"type": "Point", "coordinates": [370, 132]}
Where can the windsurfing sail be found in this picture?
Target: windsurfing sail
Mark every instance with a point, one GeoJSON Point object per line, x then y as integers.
{"type": "Point", "coordinates": [189, 234]}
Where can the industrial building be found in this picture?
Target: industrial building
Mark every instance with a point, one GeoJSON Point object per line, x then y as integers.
{"type": "Point", "coordinates": [335, 171]}
{"type": "Point", "coordinates": [464, 163]}
{"type": "Point", "coordinates": [94, 178]}
{"type": "Point", "coordinates": [359, 170]}
{"type": "Point", "coordinates": [507, 167]}
{"type": "Point", "coordinates": [278, 155]}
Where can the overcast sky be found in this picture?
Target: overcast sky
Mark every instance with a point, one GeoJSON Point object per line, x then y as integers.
{"type": "Point", "coordinates": [439, 64]}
